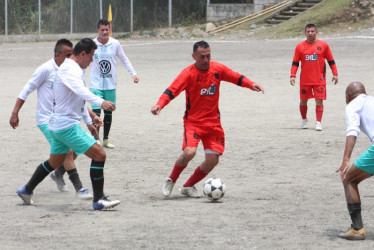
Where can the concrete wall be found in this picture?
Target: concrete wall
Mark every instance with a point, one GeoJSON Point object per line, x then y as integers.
{"type": "Point", "coordinates": [222, 12]}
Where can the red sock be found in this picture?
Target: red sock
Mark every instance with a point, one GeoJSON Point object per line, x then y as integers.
{"type": "Point", "coordinates": [319, 112]}
{"type": "Point", "coordinates": [303, 111]}
{"type": "Point", "coordinates": [197, 176]}
{"type": "Point", "coordinates": [177, 170]}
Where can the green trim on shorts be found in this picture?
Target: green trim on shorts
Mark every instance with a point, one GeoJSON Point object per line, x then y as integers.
{"type": "Point", "coordinates": [74, 137]}
{"type": "Point", "coordinates": [107, 95]}
{"type": "Point", "coordinates": [366, 161]}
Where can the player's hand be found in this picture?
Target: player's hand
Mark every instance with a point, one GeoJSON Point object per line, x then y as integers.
{"type": "Point", "coordinates": [257, 87]}
{"type": "Point", "coordinates": [14, 121]}
{"type": "Point", "coordinates": [93, 131]}
{"type": "Point", "coordinates": [335, 79]}
{"type": "Point", "coordinates": [156, 110]}
{"type": "Point", "coordinates": [292, 81]}
{"type": "Point", "coordinates": [108, 106]}
{"type": "Point", "coordinates": [136, 79]}
{"type": "Point", "coordinates": [343, 169]}
{"type": "Point", "coordinates": [97, 121]}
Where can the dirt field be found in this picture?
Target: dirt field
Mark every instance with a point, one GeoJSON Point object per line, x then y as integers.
{"type": "Point", "coordinates": [282, 191]}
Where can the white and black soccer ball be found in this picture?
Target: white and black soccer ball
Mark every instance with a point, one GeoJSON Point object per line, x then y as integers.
{"type": "Point", "coordinates": [214, 188]}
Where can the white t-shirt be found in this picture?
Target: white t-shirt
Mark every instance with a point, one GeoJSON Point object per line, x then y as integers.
{"type": "Point", "coordinates": [42, 81]}
{"type": "Point", "coordinates": [103, 68]}
{"type": "Point", "coordinates": [70, 94]}
{"type": "Point", "coordinates": [359, 116]}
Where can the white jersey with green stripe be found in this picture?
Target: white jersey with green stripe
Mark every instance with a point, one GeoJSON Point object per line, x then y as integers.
{"type": "Point", "coordinates": [103, 68]}
{"type": "Point", "coordinates": [42, 81]}
{"type": "Point", "coordinates": [70, 95]}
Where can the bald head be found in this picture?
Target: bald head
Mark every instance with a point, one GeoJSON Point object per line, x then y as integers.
{"type": "Point", "coordinates": [353, 90]}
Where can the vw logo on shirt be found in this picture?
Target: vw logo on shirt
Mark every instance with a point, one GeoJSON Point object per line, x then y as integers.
{"type": "Point", "coordinates": [105, 67]}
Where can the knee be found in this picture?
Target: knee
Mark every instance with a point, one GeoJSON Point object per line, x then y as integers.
{"type": "Point", "coordinates": [100, 155]}
{"type": "Point", "coordinates": [189, 154]}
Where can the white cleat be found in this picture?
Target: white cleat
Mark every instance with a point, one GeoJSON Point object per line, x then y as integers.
{"type": "Point", "coordinates": [167, 187]}
{"type": "Point", "coordinates": [318, 126]}
{"type": "Point", "coordinates": [84, 194]}
{"type": "Point", "coordinates": [107, 144]}
{"type": "Point", "coordinates": [190, 192]}
{"type": "Point", "coordinates": [304, 124]}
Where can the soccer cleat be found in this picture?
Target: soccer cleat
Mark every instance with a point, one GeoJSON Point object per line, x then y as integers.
{"type": "Point", "coordinates": [190, 191]}
{"type": "Point", "coordinates": [304, 124]}
{"type": "Point", "coordinates": [84, 194]}
{"type": "Point", "coordinates": [107, 144]}
{"type": "Point", "coordinates": [167, 187]}
{"type": "Point", "coordinates": [353, 234]}
{"type": "Point", "coordinates": [104, 204]}
{"type": "Point", "coordinates": [24, 195]}
{"type": "Point", "coordinates": [318, 126]}
{"type": "Point", "coordinates": [59, 182]}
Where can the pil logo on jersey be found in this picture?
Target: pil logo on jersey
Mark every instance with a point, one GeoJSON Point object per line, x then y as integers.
{"type": "Point", "coordinates": [209, 91]}
{"type": "Point", "coordinates": [311, 57]}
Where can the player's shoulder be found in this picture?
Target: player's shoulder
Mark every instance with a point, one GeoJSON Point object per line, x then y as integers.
{"type": "Point", "coordinates": [48, 66]}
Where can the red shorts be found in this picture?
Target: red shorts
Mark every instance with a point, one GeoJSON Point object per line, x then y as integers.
{"type": "Point", "coordinates": [312, 91]}
{"type": "Point", "coordinates": [212, 137]}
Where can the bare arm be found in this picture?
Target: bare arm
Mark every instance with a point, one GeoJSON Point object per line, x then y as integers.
{"type": "Point", "coordinates": [14, 120]}
{"type": "Point", "coordinates": [349, 145]}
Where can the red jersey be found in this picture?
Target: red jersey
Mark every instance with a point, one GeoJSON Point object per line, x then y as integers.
{"type": "Point", "coordinates": [313, 66]}
{"type": "Point", "coordinates": [202, 92]}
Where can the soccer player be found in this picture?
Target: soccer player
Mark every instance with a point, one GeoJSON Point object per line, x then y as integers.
{"type": "Point", "coordinates": [201, 82]}
{"type": "Point", "coordinates": [103, 81]}
{"type": "Point", "coordinates": [42, 81]}
{"type": "Point", "coordinates": [312, 53]}
{"type": "Point", "coordinates": [359, 117]}
{"type": "Point", "coordinates": [70, 95]}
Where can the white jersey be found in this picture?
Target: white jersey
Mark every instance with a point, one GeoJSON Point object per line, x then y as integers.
{"type": "Point", "coordinates": [70, 94]}
{"type": "Point", "coordinates": [359, 116]}
{"type": "Point", "coordinates": [42, 81]}
{"type": "Point", "coordinates": [103, 68]}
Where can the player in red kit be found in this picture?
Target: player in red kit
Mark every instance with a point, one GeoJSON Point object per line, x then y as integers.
{"type": "Point", "coordinates": [312, 53]}
{"type": "Point", "coordinates": [201, 82]}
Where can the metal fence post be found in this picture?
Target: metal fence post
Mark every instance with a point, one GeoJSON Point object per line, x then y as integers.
{"type": "Point", "coordinates": [101, 9]}
{"type": "Point", "coordinates": [131, 16]}
{"type": "Point", "coordinates": [170, 12]}
{"type": "Point", "coordinates": [40, 16]}
{"type": "Point", "coordinates": [6, 17]}
{"type": "Point", "coordinates": [71, 16]}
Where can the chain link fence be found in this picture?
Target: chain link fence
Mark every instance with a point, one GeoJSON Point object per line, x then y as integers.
{"type": "Point", "coordinates": [22, 16]}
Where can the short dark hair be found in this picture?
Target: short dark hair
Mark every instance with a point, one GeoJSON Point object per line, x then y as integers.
{"type": "Point", "coordinates": [102, 22]}
{"type": "Point", "coordinates": [201, 44]}
{"type": "Point", "coordinates": [86, 45]}
{"type": "Point", "coordinates": [310, 25]}
{"type": "Point", "coordinates": [61, 43]}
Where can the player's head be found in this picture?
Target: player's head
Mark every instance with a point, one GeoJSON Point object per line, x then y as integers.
{"type": "Point", "coordinates": [353, 90]}
{"type": "Point", "coordinates": [311, 32]}
{"type": "Point", "coordinates": [63, 49]}
{"type": "Point", "coordinates": [84, 50]}
{"type": "Point", "coordinates": [201, 55]}
{"type": "Point", "coordinates": [103, 29]}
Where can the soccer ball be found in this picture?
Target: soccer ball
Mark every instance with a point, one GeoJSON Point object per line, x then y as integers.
{"type": "Point", "coordinates": [214, 188]}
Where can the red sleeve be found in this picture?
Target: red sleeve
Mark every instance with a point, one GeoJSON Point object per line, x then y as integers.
{"type": "Point", "coordinates": [175, 88]}
{"type": "Point", "coordinates": [331, 61]}
{"type": "Point", "coordinates": [229, 75]}
{"type": "Point", "coordinates": [295, 62]}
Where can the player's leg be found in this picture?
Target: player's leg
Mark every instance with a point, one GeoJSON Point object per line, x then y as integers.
{"type": "Point", "coordinates": [44, 169]}
{"type": "Point", "coordinates": [362, 168]}
{"type": "Point", "coordinates": [109, 95]}
{"type": "Point", "coordinates": [213, 140]}
{"type": "Point", "coordinates": [82, 143]}
{"type": "Point", "coordinates": [191, 139]}
{"type": "Point", "coordinates": [353, 177]}
{"type": "Point", "coordinates": [71, 169]}
{"type": "Point", "coordinates": [319, 92]}
{"type": "Point", "coordinates": [305, 95]}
